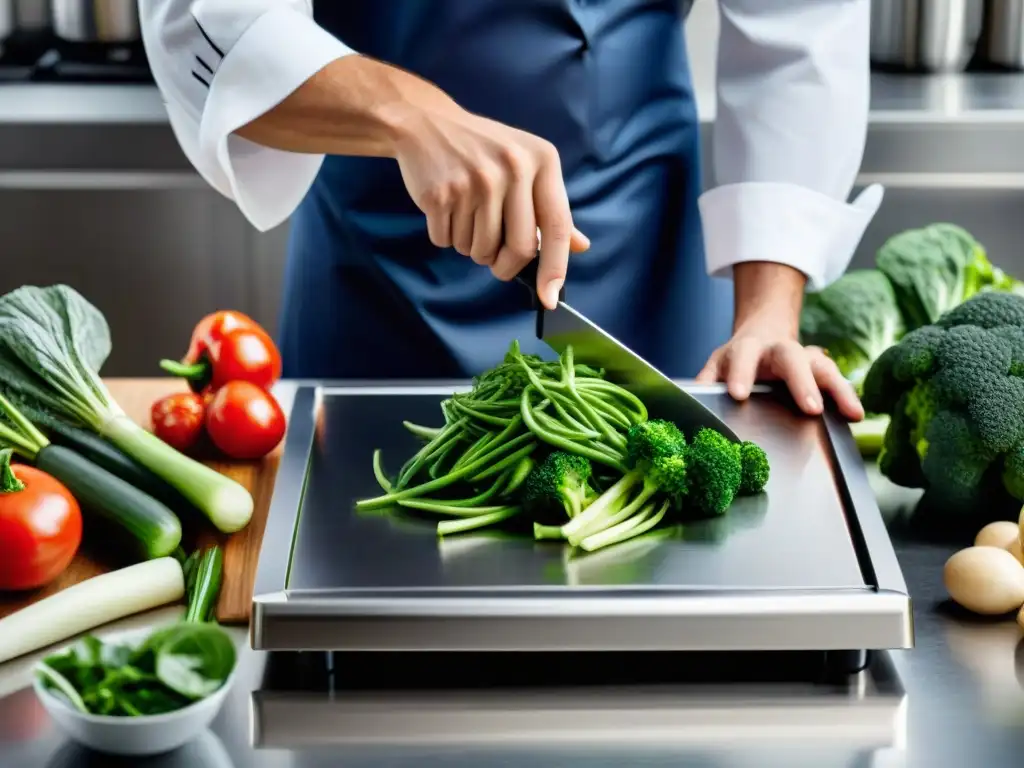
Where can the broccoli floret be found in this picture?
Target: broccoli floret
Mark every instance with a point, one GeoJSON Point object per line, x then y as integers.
{"type": "Point", "coordinates": [558, 488]}
{"type": "Point", "coordinates": [715, 471]}
{"type": "Point", "coordinates": [755, 470]}
{"type": "Point", "coordinates": [960, 413]}
{"type": "Point", "coordinates": [987, 310]}
{"type": "Point", "coordinates": [657, 452]}
{"type": "Point", "coordinates": [899, 459]}
{"type": "Point", "coordinates": [955, 460]}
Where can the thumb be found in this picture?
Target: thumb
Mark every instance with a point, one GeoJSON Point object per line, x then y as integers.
{"type": "Point", "coordinates": [578, 242]}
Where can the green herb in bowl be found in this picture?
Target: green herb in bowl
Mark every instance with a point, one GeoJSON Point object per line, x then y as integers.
{"type": "Point", "coordinates": [145, 693]}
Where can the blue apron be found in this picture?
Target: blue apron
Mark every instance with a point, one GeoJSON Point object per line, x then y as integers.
{"type": "Point", "coordinates": [607, 82]}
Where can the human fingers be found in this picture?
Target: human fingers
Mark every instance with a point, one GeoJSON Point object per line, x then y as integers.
{"type": "Point", "coordinates": [520, 238]}
{"type": "Point", "coordinates": [491, 184]}
{"type": "Point", "coordinates": [578, 242]}
{"type": "Point", "coordinates": [744, 360]}
{"type": "Point", "coordinates": [830, 380]}
{"type": "Point", "coordinates": [463, 221]}
{"type": "Point", "coordinates": [709, 373]}
{"type": "Point", "coordinates": [551, 207]}
{"type": "Point", "coordinates": [791, 363]}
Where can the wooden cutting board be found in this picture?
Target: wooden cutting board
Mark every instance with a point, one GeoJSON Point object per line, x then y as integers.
{"type": "Point", "coordinates": [241, 549]}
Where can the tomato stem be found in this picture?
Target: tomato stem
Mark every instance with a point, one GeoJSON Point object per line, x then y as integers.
{"type": "Point", "coordinates": [9, 482]}
{"type": "Point", "coordinates": [190, 371]}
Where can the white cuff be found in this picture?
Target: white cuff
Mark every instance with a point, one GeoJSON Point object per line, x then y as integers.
{"type": "Point", "coordinates": [280, 51]}
{"type": "Point", "coordinates": [785, 224]}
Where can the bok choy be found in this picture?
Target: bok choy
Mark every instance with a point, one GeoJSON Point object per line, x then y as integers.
{"type": "Point", "coordinates": [52, 345]}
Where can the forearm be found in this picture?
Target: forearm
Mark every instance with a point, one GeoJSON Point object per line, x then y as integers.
{"type": "Point", "coordinates": [353, 106]}
{"type": "Point", "coordinates": [768, 291]}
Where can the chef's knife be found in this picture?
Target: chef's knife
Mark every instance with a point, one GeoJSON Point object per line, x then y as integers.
{"type": "Point", "coordinates": [564, 326]}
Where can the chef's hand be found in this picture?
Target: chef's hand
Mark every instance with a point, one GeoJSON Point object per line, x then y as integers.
{"type": "Point", "coordinates": [486, 190]}
{"type": "Point", "coordinates": [765, 345]}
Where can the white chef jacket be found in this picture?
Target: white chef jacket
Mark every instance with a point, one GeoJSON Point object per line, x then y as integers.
{"type": "Point", "coordinates": [792, 96]}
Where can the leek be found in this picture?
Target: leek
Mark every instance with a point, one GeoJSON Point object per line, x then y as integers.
{"type": "Point", "coordinates": [53, 343]}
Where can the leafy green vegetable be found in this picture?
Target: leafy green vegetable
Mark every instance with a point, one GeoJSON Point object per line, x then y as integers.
{"type": "Point", "coordinates": [572, 455]}
{"type": "Point", "coordinates": [855, 319]}
{"type": "Point", "coordinates": [171, 668]}
{"type": "Point", "coordinates": [934, 269]}
{"type": "Point", "coordinates": [52, 345]}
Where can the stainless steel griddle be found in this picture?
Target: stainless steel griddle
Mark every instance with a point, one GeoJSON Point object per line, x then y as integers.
{"type": "Point", "coordinates": [808, 566]}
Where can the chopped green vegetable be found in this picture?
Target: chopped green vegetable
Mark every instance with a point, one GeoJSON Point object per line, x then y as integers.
{"type": "Point", "coordinates": [203, 579]}
{"type": "Point", "coordinates": [171, 668]}
{"type": "Point", "coordinates": [571, 452]}
{"type": "Point", "coordinates": [52, 345]}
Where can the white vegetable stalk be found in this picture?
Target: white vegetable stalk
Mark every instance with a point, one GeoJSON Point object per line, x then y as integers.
{"type": "Point", "coordinates": [90, 604]}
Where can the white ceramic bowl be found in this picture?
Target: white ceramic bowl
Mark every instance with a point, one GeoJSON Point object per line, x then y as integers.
{"type": "Point", "coordinates": [147, 735]}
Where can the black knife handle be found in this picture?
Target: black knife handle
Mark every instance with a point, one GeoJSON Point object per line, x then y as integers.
{"type": "Point", "coordinates": [527, 277]}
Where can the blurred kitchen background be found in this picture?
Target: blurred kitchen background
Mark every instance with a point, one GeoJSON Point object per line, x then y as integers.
{"type": "Point", "coordinates": [95, 192]}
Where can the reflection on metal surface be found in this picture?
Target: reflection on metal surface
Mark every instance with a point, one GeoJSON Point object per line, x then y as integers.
{"type": "Point", "coordinates": [993, 652]}
{"type": "Point", "coordinates": [564, 327]}
{"type": "Point", "coordinates": [205, 751]}
{"type": "Point", "coordinates": [807, 566]}
{"type": "Point", "coordinates": [870, 713]}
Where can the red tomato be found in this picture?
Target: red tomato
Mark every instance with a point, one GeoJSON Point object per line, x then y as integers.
{"type": "Point", "coordinates": [244, 421]}
{"type": "Point", "coordinates": [40, 530]}
{"type": "Point", "coordinates": [178, 419]}
{"type": "Point", "coordinates": [244, 354]}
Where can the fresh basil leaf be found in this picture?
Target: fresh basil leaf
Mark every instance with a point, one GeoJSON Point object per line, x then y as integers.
{"type": "Point", "coordinates": [114, 656]}
{"type": "Point", "coordinates": [195, 660]}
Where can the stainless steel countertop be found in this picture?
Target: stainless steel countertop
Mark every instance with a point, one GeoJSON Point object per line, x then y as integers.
{"type": "Point", "coordinates": [965, 706]}
{"type": "Point", "coordinates": [894, 99]}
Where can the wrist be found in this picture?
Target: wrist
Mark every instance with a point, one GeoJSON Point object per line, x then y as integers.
{"type": "Point", "coordinates": [770, 294]}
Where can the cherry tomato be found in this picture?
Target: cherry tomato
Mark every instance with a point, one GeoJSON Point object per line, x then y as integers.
{"type": "Point", "coordinates": [40, 527]}
{"type": "Point", "coordinates": [178, 419]}
{"type": "Point", "coordinates": [244, 421]}
{"type": "Point", "coordinates": [214, 327]}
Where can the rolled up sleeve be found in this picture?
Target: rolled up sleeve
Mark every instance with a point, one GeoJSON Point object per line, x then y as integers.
{"type": "Point", "coordinates": [220, 64]}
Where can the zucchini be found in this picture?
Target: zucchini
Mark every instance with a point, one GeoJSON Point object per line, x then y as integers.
{"type": "Point", "coordinates": [149, 522]}
{"type": "Point", "coordinates": [111, 458]}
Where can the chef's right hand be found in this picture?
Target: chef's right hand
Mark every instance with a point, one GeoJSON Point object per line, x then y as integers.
{"type": "Point", "coordinates": [486, 190]}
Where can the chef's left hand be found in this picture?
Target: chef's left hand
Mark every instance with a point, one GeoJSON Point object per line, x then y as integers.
{"type": "Point", "coordinates": [764, 348]}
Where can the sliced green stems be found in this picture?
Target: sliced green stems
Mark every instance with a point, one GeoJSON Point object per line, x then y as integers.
{"type": "Point", "coordinates": [461, 525]}
{"type": "Point", "coordinates": [422, 432]}
{"type": "Point", "coordinates": [486, 418]}
{"type": "Point", "coordinates": [378, 472]}
{"type": "Point", "coordinates": [637, 525]}
{"type": "Point", "coordinates": [517, 476]}
{"type": "Point", "coordinates": [481, 498]}
{"type": "Point", "coordinates": [507, 462]}
{"type": "Point", "coordinates": [558, 441]}
{"type": "Point", "coordinates": [468, 470]}
{"type": "Point", "coordinates": [451, 433]}
{"type": "Point", "coordinates": [541, 532]}
{"type": "Point", "coordinates": [439, 507]}
{"type": "Point", "coordinates": [625, 513]}
{"type": "Point", "coordinates": [599, 508]}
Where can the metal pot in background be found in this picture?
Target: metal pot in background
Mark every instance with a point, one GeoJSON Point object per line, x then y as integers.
{"type": "Point", "coordinates": [924, 35]}
{"type": "Point", "coordinates": [1002, 35]}
{"type": "Point", "coordinates": [23, 17]}
{"type": "Point", "coordinates": [96, 21]}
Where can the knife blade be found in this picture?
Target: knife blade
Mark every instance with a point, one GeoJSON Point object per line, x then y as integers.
{"type": "Point", "coordinates": [564, 326]}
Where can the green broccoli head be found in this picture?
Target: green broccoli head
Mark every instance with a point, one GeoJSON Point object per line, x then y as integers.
{"type": "Point", "coordinates": [955, 394]}
{"type": "Point", "coordinates": [558, 487]}
{"type": "Point", "coordinates": [715, 471]}
{"type": "Point", "coordinates": [856, 318]}
{"type": "Point", "coordinates": [755, 468]}
{"type": "Point", "coordinates": [647, 440]}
